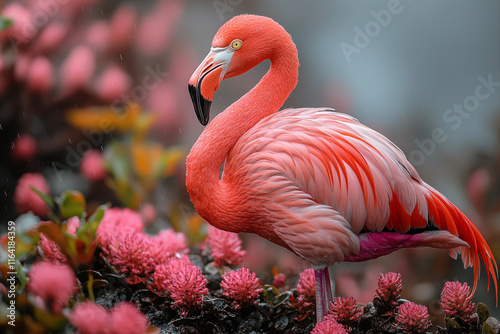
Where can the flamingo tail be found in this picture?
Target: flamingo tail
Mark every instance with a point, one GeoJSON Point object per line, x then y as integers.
{"type": "Point", "coordinates": [448, 217]}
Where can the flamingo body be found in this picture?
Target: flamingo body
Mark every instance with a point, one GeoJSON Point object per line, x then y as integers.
{"type": "Point", "coordinates": [312, 180]}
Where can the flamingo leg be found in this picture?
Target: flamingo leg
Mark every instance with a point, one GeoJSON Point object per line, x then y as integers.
{"type": "Point", "coordinates": [324, 293]}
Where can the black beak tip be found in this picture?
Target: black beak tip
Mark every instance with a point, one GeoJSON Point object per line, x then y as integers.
{"type": "Point", "coordinates": [201, 105]}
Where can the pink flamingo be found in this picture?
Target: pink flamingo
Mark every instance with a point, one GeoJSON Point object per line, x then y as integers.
{"type": "Point", "coordinates": [314, 181]}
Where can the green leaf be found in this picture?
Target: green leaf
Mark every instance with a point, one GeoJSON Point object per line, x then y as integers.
{"type": "Point", "coordinates": [487, 329]}
{"type": "Point", "coordinates": [5, 23]}
{"type": "Point", "coordinates": [483, 312]}
{"type": "Point", "coordinates": [46, 198]}
{"type": "Point", "coordinates": [283, 298]}
{"type": "Point", "coordinates": [452, 325]}
{"type": "Point", "coordinates": [93, 222]}
{"type": "Point", "coordinates": [71, 203]}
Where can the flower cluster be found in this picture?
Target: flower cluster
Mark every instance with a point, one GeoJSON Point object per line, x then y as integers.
{"type": "Point", "coordinates": [225, 247]}
{"type": "Point", "coordinates": [130, 254]}
{"type": "Point", "coordinates": [53, 284]}
{"type": "Point", "coordinates": [306, 288]}
{"type": "Point", "coordinates": [389, 289]}
{"type": "Point", "coordinates": [413, 318]}
{"type": "Point", "coordinates": [187, 286]}
{"type": "Point", "coordinates": [26, 199]}
{"type": "Point", "coordinates": [328, 326]}
{"type": "Point", "coordinates": [119, 220]}
{"type": "Point", "coordinates": [241, 286]}
{"type": "Point", "coordinates": [91, 318]}
{"type": "Point", "coordinates": [456, 301]}
{"type": "Point", "coordinates": [345, 311]}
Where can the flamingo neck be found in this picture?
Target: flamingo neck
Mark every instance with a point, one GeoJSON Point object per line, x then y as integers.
{"type": "Point", "coordinates": [211, 197]}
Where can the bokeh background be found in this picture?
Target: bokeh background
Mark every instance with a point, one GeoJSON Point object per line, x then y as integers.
{"type": "Point", "coordinates": [70, 71]}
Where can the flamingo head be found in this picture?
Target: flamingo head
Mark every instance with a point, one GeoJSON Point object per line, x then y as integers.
{"type": "Point", "coordinates": [239, 45]}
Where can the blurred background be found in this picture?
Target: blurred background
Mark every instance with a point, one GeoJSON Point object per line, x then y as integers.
{"type": "Point", "coordinates": [93, 96]}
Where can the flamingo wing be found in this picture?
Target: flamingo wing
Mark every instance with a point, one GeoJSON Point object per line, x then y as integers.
{"type": "Point", "coordinates": [329, 179]}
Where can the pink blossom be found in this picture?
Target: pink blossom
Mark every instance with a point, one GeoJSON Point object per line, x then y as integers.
{"type": "Point", "coordinates": [97, 35]}
{"type": "Point", "coordinates": [25, 148]}
{"type": "Point", "coordinates": [50, 38]}
{"type": "Point", "coordinates": [389, 289]}
{"type": "Point", "coordinates": [279, 280]}
{"type": "Point", "coordinates": [53, 283]}
{"type": "Point", "coordinates": [51, 251]}
{"type": "Point", "coordinates": [160, 279]}
{"type": "Point", "coordinates": [77, 69]}
{"type": "Point", "coordinates": [22, 29]}
{"type": "Point", "coordinates": [118, 220]}
{"type": "Point", "coordinates": [40, 77]}
{"type": "Point", "coordinates": [174, 242]}
{"type": "Point", "coordinates": [73, 224]}
{"type": "Point", "coordinates": [456, 301]}
{"type": "Point", "coordinates": [148, 213]}
{"type": "Point", "coordinates": [306, 288]}
{"type": "Point", "coordinates": [130, 254]}
{"type": "Point", "coordinates": [26, 199]}
{"type": "Point", "coordinates": [412, 318]}
{"type": "Point", "coordinates": [164, 105]}
{"type": "Point", "coordinates": [225, 247]}
{"type": "Point", "coordinates": [112, 84]}
{"type": "Point", "coordinates": [90, 318]}
{"type": "Point", "coordinates": [122, 27]}
{"type": "Point", "coordinates": [328, 326]}
{"type": "Point", "coordinates": [92, 166]}
{"type": "Point", "coordinates": [241, 286]}
{"type": "Point", "coordinates": [345, 311]}
{"type": "Point", "coordinates": [22, 66]}
{"type": "Point", "coordinates": [187, 286]}
{"type": "Point", "coordinates": [127, 319]}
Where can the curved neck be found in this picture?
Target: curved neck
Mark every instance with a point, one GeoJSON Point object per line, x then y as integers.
{"type": "Point", "coordinates": [209, 195]}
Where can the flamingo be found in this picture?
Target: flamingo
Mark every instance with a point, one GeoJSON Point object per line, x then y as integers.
{"type": "Point", "coordinates": [312, 180]}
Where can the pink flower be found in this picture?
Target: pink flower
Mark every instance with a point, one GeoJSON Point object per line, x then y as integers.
{"type": "Point", "coordinates": [50, 38]}
{"type": "Point", "coordinates": [90, 318]}
{"type": "Point", "coordinates": [328, 326]}
{"type": "Point", "coordinates": [122, 27]}
{"type": "Point", "coordinates": [389, 289]}
{"type": "Point", "coordinates": [126, 319]}
{"type": "Point", "coordinates": [187, 286]}
{"type": "Point", "coordinates": [22, 66]}
{"type": "Point", "coordinates": [53, 283]}
{"type": "Point", "coordinates": [130, 254]}
{"type": "Point", "coordinates": [40, 75]}
{"type": "Point", "coordinates": [92, 166]}
{"type": "Point", "coordinates": [160, 279]}
{"type": "Point", "coordinates": [148, 213]}
{"type": "Point", "coordinates": [306, 288]}
{"type": "Point", "coordinates": [25, 148]}
{"type": "Point", "coordinates": [413, 318]}
{"type": "Point", "coordinates": [456, 301]}
{"type": "Point", "coordinates": [77, 69]}
{"type": "Point", "coordinates": [22, 29]}
{"type": "Point", "coordinates": [73, 224]}
{"type": "Point", "coordinates": [113, 84]}
{"type": "Point", "coordinates": [175, 242]}
{"type": "Point", "coordinates": [117, 220]}
{"type": "Point", "coordinates": [345, 311]}
{"type": "Point", "coordinates": [241, 286]}
{"type": "Point", "coordinates": [51, 251]}
{"type": "Point", "coordinates": [225, 247]}
{"type": "Point", "coordinates": [97, 35]}
{"type": "Point", "coordinates": [26, 199]}
{"type": "Point", "coordinates": [279, 280]}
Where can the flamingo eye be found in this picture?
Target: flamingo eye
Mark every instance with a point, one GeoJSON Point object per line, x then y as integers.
{"type": "Point", "coordinates": [236, 44]}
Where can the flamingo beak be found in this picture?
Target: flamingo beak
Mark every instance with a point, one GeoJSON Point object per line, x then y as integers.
{"type": "Point", "coordinates": [206, 79]}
